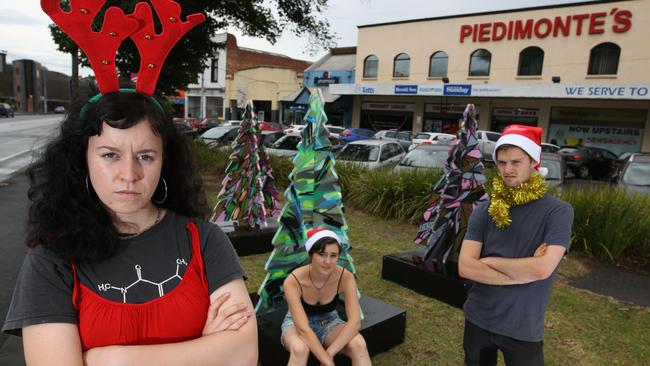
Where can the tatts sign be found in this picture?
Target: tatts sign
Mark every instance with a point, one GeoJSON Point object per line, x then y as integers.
{"type": "Point", "coordinates": [616, 20]}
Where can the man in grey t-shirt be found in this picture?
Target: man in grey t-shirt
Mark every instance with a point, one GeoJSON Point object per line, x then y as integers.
{"type": "Point", "coordinates": [511, 252]}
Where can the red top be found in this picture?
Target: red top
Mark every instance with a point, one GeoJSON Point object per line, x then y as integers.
{"type": "Point", "coordinates": [174, 317]}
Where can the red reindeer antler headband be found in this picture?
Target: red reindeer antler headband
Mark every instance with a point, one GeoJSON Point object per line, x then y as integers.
{"type": "Point", "coordinates": [101, 47]}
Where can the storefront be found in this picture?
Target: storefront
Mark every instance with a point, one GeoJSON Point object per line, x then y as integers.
{"type": "Point", "coordinates": [501, 117]}
{"type": "Point", "coordinates": [444, 117]}
{"type": "Point", "coordinates": [617, 130]}
{"type": "Point", "coordinates": [385, 116]}
{"type": "Point", "coordinates": [527, 66]}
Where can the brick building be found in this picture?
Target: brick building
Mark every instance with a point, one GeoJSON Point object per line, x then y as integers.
{"type": "Point", "coordinates": [236, 74]}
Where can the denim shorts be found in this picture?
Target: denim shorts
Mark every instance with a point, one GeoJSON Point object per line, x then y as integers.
{"type": "Point", "coordinates": [321, 324]}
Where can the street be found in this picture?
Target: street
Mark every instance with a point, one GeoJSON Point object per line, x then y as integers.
{"type": "Point", "coordinates": [20, 137]}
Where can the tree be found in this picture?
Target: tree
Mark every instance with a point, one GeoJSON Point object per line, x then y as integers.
{"type": "Point", "coordinates": [263, 19]}
{"type": "Point", "coordinates": [312, 201]}
{"type": "Point", "coordinates": [461, 189]}
{"type": "Point", "coordinates": [249, 193]}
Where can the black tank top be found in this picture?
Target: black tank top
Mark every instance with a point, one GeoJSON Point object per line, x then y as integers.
{"type": "Point", "coordinates": [312, 309]}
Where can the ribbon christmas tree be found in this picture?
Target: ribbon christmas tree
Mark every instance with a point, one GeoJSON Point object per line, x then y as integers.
{"type": "Point", "coordinates": [249, 193]}
{"type": "Point", "coordinates": [460, 189]}
{"type": "Point", "coordinates": [312, 201]}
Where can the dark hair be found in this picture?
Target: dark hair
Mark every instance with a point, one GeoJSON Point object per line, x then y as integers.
{"type": "Point", "coordinates": [510, 146]}
{"type": "Point", "coordinates": [319, 246]}
{"type": "Point", "coordinates": [65, 215]}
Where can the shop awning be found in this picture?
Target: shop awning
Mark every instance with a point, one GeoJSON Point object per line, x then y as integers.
{"type": "Point", "coordinates": [327, 96]}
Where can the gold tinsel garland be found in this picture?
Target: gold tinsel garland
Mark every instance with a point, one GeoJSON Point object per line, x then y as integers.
{"type": "Point", "coordinates": [503, 197]}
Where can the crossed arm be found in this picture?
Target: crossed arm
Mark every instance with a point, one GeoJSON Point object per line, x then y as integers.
{"type": "Point", "coordinates": [507, 271]}
{"type": "Point", "coordinates": [229, 338]}
{"type": "Point", "coordinates": [352, 312]}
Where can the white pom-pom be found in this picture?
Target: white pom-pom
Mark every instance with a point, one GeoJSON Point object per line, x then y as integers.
{"type": "Point", "coordinates": [543, 172]}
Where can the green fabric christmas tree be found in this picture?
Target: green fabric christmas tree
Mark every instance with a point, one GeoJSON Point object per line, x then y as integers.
{"type": "Point", "coordinates": [249, 193]}
{"type": "Point", "coordinates": [312, 201]}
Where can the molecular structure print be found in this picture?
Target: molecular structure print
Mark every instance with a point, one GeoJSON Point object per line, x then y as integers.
{"type": "Point", "coordinates": [138, 269]}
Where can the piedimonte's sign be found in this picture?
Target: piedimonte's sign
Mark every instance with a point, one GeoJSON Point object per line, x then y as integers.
{"type": "Point", "coordinates": [614, 20]}
{"type": "Point", "coordinates": [573, 91]}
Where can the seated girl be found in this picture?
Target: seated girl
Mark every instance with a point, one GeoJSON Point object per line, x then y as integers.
{"type": "Point", "coordinates": [312, 323]}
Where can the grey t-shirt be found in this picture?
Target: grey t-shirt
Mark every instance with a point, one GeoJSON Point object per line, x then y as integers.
{"type": "Point", "coordinates": [145, 267]}
{"type": "Point", "coordinates": [516, 311]}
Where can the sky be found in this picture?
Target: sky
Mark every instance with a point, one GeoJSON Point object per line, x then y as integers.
{"type": "Point", "coordinates": [24, 32]}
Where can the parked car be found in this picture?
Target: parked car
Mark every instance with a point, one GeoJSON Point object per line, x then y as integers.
{"type": "Point", "coordinates": [269, 137]}
{"type": "Point", "coordinates": [353, 134]}
{"type": "Point", "coordinates": [294, 129]}
{"type": "Point", "coordinates": [186, 130]}
{"type": "Point", "coordinates": [424, 156]}
{"type": "Point", "coordinates": [271, 126]}
{"type": "Point", "coordinates": [285, 146]}
{"type": "Point", "coordinates": [335, 130]}
{"type": "Point", "coordinates": [6, 110]}
{"type": "Point", "coordinates": [229, 123]}
{"type": "Point", "coordinates": [372, 153]}
{"type": "Point", "coordinates": [635, 174]}
{"type": "Point", "coordinates": [59, 109]}
{"type": "Point", "coordinates": [404, 138]}
{"type": "Point", "coordinates": [432, 138]}
{"type": "Point", "coordinates": [556, 169]}
{"type": "Point", "coordinates": [201, 125]}
{"type": "Point", "coordinates": [220, 136]}
{"type": "Point", "coordinates": [585, 162]}
{"type": "Point", "coordinates": [487, 141]}
{"type": "Point", "coordinates": [546, 147]}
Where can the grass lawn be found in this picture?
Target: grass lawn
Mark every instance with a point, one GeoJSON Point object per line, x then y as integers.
{"type": "Point", "coordinates": [581, 328]}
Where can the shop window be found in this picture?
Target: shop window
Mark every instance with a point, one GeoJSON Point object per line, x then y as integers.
{"type": "Point", "coordinates": [401, 65]}
{"type": "Point", "coordinates": [370, 66]}
{"type": "Point", "coordinates": [603, 59]}
{"type": "Point", "coordinates": [214, 70]}
{"type": "Point", "coordinates": [479, 63]}
{"type": "Point", "coordinates": [438, 64]}
{"type": "Point", "coordinates": [531, 60]}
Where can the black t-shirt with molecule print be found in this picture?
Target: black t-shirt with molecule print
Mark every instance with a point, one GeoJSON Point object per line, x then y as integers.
{"type": "Point", "coordinates": [144, 268]}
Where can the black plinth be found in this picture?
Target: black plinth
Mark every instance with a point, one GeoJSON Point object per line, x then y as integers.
{"type": "Point", "coordinates": [406, 268]}
{"type": "Point", "coordinates": [249, 241]}
{"type": "Point", "coordinates": [383, 327]}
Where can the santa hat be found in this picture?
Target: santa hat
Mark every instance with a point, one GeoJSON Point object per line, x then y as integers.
{"type": "Point", "coordinates": [317, 234]}
{"type": "Point", "coordinates": [527, 138]}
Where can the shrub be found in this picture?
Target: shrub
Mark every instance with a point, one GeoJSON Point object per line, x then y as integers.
{"type": "Point", "coordinates": [403, 196]}
{"type": "Point", "coordinates": [608, 222]}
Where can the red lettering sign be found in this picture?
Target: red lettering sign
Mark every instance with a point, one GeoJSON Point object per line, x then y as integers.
{"type": "Point", "coordinates": [618, 20]}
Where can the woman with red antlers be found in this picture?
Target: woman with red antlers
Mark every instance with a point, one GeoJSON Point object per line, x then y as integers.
{"type": "Point", "coordinates": [119, 270]}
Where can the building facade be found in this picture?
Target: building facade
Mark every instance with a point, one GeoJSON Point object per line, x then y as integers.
{"type": "Point", "coordinates": [337, 67]}
{"type": "Point", "coordinates": [28, 86]}
{"type": "Point", "coordinates": [577, 70]}
{"type": "Point", "coordinates": [6, 80]}
{"type": "Point", "coordinates": [237, 74]}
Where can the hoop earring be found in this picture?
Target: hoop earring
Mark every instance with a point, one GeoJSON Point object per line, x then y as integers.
{"type": "Point", "coordinates": [165, 197]}
{"type": "Point", "coordinates": [87, 189]}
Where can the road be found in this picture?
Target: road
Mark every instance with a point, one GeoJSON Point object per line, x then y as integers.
{"type": "Point", "coordinates": [21, 137]}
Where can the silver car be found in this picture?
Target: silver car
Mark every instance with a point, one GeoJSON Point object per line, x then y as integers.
{"type": "Point", "coordinates": [556, 169]}
{"type": "Point", "coordinates": [635, 175]}
{"type": "Point", "coordinates": [372, 154]}
{"type": "Point", "coordinates": [424, 157]}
